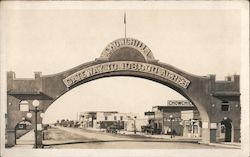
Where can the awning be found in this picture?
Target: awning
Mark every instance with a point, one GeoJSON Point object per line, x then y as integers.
{"type": "Point", "coordinates": [29, 95]}
{"type": "Point", "coordinates": [226, 93]}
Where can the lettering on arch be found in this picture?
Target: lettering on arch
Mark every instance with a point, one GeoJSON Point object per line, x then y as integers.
{"type": "Point", "coordinates": [126, 66]}
{"type": "Point", "coordinates": [127, 42]}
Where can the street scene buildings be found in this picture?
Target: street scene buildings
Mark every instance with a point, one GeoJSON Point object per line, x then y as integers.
{"type": "Point", "coordinates": [177, 118]}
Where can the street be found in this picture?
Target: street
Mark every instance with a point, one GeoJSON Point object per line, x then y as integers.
{"type": "Point", "coordinates": [63, 137]}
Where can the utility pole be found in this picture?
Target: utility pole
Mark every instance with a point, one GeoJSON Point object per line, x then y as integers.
{"type": "Point", "coordinates": [125, 24]}
{"type": "Point", "coordinates": [163, 131]}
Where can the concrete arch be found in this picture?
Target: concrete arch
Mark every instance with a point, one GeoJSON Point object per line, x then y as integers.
{"type": "Point", "coordinates": [114, 61]}
{"type": "Point", "coordinates": [190, 97]}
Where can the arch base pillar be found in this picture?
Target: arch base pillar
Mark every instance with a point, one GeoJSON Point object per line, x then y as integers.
{"type": "Point", "coordinates": [208, 132]}
{"type": "Point", "coordinates": [11, 138]}
{"type": "Point", "coordinates": [236, 135]}
{"type": "Point", "coordinates": [213, 135]}
{"type": "Point", "coordinates": [208, 135]}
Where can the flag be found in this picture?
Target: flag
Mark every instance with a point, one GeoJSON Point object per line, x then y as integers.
{"type": "Point", "coordinates": [125, 18]}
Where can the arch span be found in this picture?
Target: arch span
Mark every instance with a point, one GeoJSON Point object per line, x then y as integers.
{"type": "Point", "coordinates": [148, 76]}
{"type": "Point", "coordinates": [118, 93]}
{"type": "Point", "coordinates": [124, 57]}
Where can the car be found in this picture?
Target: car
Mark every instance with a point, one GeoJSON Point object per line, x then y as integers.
{"type": "Point", "coordinates": [112, 129]}
{"type": "Point", "coordinates": [150, 129]}
{"type": "Point", "coordinates": [147, 129]}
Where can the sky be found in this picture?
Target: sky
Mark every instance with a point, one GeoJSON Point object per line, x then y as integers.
{"type": "Point", "coordinates": [50, 41]}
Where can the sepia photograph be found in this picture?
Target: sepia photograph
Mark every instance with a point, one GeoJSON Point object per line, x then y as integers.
{"type": "Point", "coordinates": [128, 78]}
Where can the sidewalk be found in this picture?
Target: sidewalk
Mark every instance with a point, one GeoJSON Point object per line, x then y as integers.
{"type": "Point", "coordinates": [175, 139]}
{"type": "Point", "coordinates": [158, 136]}
{"type": "Point", "coordinates": [227, 145]}
{"type": "Point", "coordinates": [26, 141]}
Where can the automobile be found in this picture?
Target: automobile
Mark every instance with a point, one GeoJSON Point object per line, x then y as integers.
{"type": "Point", "coordinates": [147, 129]}
{"type": "Point", "coordinates": [112, 129]}
{"type": "Point", "coordinates": [150, 129]}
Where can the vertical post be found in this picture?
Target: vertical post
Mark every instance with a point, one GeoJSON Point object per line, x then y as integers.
{"type": "Point", "coordinates": [193, 129]}
{"type": "Point", "coordinates": [35, 127]}
{"type": "Point", "coordinates": [125, 23]}
{"type": "Point", "coordinates": [154, 121]}
{"type": "Point", "coordinates": [163, 121]}
{"type": "Point", "coordinates": [171, 120]}
{"type": "Point", "coordinates": [134, 125]}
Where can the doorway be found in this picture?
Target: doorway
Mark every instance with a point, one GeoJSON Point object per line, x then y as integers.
{"type": "Point", "coordinates": [226, 129]}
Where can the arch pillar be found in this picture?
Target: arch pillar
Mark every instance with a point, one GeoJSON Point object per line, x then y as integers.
{"type": "Point", "coordinates": [12, 120]}
{"type": "Point", "coordinates": [213, 131]}
{"type": "Point", "coordinates": [208, 133]}
{"type": "Point", "coordinates": [14, 116]}
{"type": "Point", "coordinates": [11, 138]}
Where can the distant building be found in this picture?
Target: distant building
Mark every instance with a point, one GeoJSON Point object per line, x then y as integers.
{"type": "Point", "coordinates": [135, 124]}
{"type": "Point", "coordinates": [104, 119]}
{"type": "Point", "coordinates": [178, 112]}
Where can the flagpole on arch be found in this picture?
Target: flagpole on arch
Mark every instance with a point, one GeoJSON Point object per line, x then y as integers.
{"type": "Point", "coordinates": [125, 24]}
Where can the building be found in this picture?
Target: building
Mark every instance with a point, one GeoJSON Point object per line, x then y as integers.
{"type": "Point", "coordinates": [136, 124]}
{"type": "Point", "coordinates": [104, 119]}
{"type": "Point", "coordinates": [175, 116]}
{"type": "Point", "coordinates": [191, 123]}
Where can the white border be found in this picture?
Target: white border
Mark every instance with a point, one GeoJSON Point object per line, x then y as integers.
{"type": "Point", "coordinates": [138, 5]}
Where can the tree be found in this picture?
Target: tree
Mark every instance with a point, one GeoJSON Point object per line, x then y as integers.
{"type": "Point", "coordinates": [63, 122]}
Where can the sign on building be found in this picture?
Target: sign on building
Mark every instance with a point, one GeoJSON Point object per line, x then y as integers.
{"type": "Point", "coordinates": [179, 103]}
{"type": "Point", "coordinates": [149, 113]}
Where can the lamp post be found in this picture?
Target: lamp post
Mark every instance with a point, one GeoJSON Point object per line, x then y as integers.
{"type": "Point", "coordinates": [192, 127]}
{"type": "Point", "coordinates": [82, 121]}
{"type": "Point", "coordinates": [119, 126]}
{"type": "Point", "coordinates": [134, 125]}
{"type": "Point", "coordinates": [171, 125]}
{"type": "Point", "coordinates": [163, 131]}
{"type": "Point", "coordinates": [35, 103]}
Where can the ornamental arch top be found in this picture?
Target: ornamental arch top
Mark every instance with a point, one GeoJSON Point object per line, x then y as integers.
{"type": "Point", "coordinates": [127, 57]}
{"type": "Point", "coordinates": [126, 47]}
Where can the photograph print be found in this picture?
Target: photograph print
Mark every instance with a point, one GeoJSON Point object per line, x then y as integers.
{"type": "Point", "coordinates": [107, 76]}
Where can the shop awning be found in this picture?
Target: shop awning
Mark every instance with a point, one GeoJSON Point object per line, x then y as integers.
{"type": "Point", "coordinates": [29, 95]}
{"type": "Point", "coordinates": [226, 93]}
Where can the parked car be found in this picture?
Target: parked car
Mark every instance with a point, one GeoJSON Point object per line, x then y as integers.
{"type": "Point", "coordinates": [112, 129]}
{"type": "Point", "coordinates": [150, 129]}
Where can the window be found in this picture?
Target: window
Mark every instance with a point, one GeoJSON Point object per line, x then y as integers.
{"type": "Point", "coordinates": [224, 107]}
{"type": "Point", "coordinates": [121, 117]}
{"type": "Point", "coordinates": [106, 118]}
{"type": "Point", "coordinates": [115, 117]}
